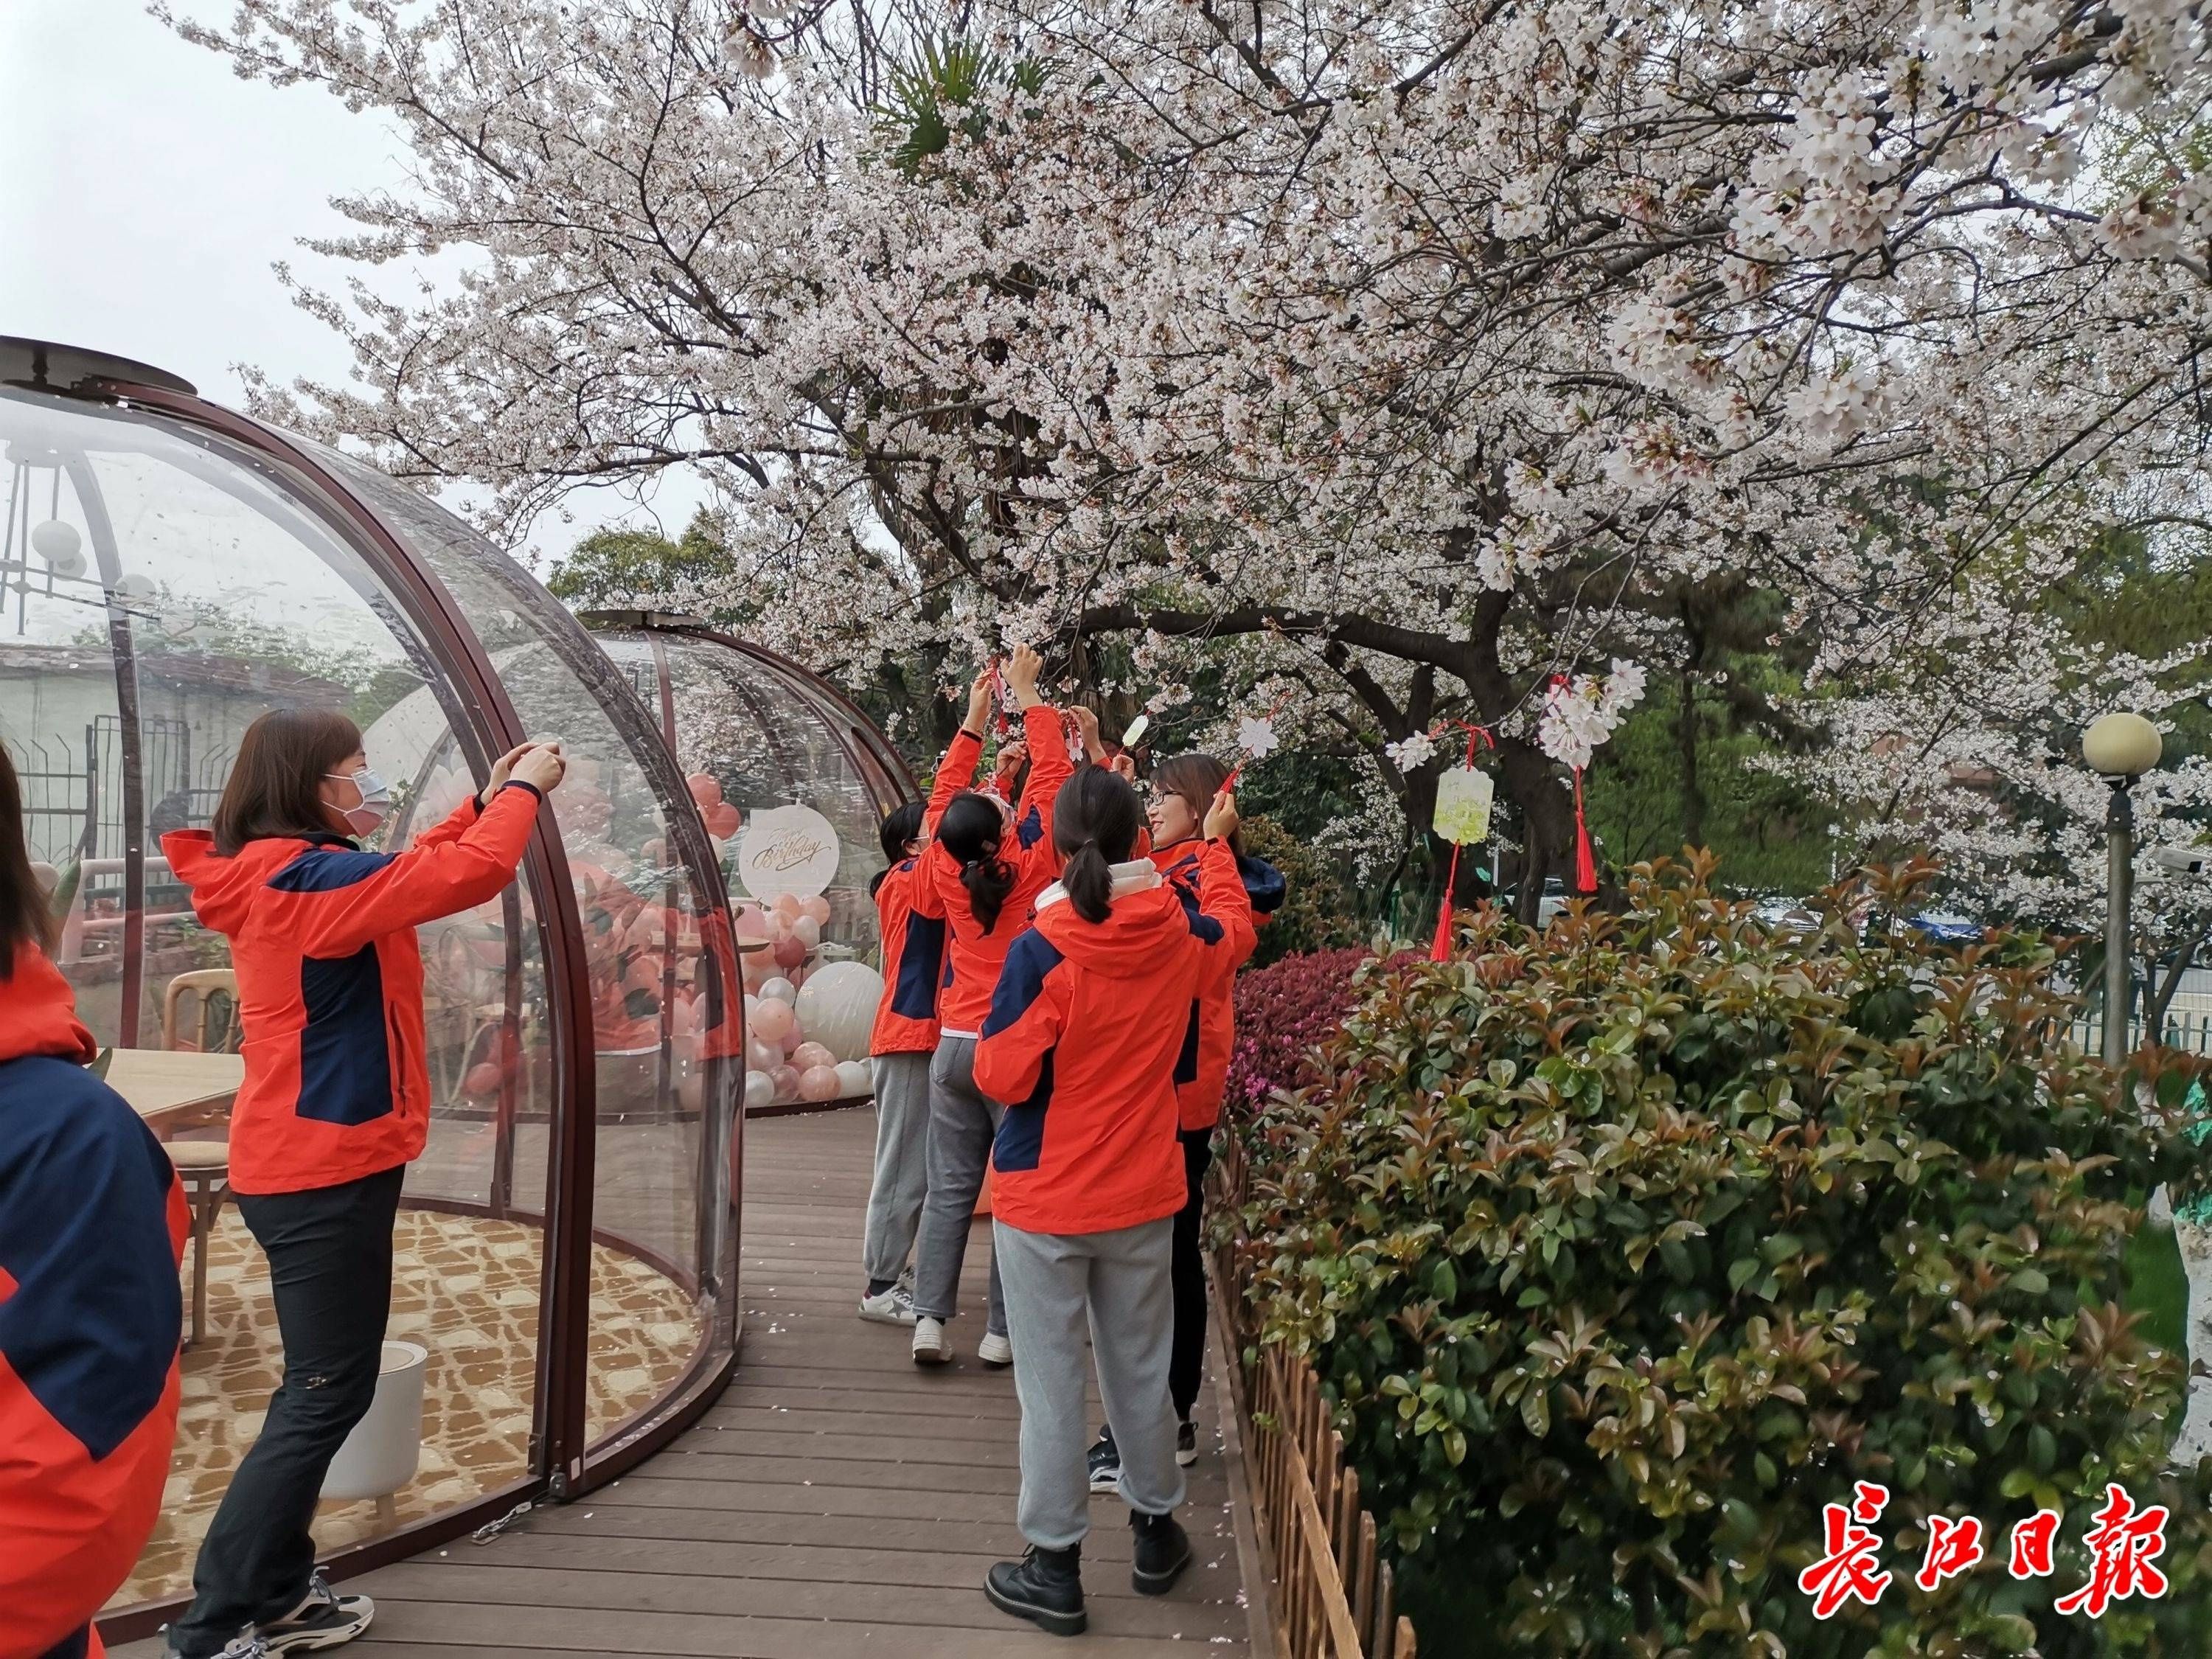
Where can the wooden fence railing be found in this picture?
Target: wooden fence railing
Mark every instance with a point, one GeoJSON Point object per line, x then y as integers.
{"type": "Point", "coordinates": [1334, 1596]}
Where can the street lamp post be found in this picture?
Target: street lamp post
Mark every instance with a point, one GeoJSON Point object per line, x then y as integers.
{"type": "Point", "coordinates": [2119, 748]}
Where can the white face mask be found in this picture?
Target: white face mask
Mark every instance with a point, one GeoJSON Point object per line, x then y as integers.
{"type": "Point", "coordinates": [375, 800]}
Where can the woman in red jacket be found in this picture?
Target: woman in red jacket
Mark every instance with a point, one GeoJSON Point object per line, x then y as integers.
{"type": "Point", "coordinates": [979, 876]}
{"type": "Point", "coordinates": [904, 1039]}
{"type": "Point", "coordinates": [92, 1223]}
{"type": "Point", "coordinates": [1182, 789]}
{"type": "Point", "coordinates": [334, 1106]}
{"type": "Point", "coordinates": [1086, 1024]}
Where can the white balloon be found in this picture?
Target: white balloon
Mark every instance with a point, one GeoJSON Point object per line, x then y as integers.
{"type": "Point", "coordinates": [760, 1091]}
{"type": "Point", "coordinates": [837, 1006]}
{"type": "Point", "coordinates": [781, 989]}
{"type": "Point", "coordinates": [853, 1079]}
{"type": "Point", "coordinates": [134, 587]}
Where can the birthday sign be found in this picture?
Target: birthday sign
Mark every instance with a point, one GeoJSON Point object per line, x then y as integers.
{"type": "Point", "coordinates": [788, 849]}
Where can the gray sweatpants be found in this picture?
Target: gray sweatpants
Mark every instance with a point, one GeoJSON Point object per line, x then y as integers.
{"type": "Point", "coordinates": [962, 1124]}
{"type": "Point", "coordinates": [1122, 1282]}
{"type": "Point", "coordinates": [901, 1162]}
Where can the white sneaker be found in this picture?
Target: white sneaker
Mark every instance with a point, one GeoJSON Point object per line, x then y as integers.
{"type": "Point", "coordinates": [891, 1307]}
{"type": "Point", "coordinates": [995, 1349]}
{"type": "Point", "coordinates": [931, 1344]}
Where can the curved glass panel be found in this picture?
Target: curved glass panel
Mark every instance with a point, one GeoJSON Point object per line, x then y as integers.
{"type": "Point", "coordinates": [164, 588]}
{"type": "Point", "coordinates": [665, 1015]}
{"type": "Point", "coordinates": [793, 802]}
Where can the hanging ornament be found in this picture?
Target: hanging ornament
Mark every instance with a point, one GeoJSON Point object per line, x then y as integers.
{"type": "Point", "coordinates": [1463, 817]}
{"type": "Point", "coordinates": [1138, 728]}
{"type": "Point", "coordinates": [1585, 865]}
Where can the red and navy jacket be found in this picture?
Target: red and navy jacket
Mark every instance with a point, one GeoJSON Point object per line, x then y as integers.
{"type": "Point", "coordinates": [92, 1226]}
{"type": "Point", "coordinates": [1201, 1074]}
{"type": "Point", "coordinates": [914, 946]}
{"type": "Point", "coordinates": [973, 956]}
{"type": "Point", "coordinates": [330, 983]}
{"type": "Point", "coordinates": [1081, 1046]}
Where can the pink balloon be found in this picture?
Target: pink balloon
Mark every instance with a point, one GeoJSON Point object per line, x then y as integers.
{"type": "Point", "coordinates": [785, 1079]}
{"type": "Point", "coordinates": [793, 1038]}
{"type": "Point", "coordinates": [759, 969]}
{"type": "Point", "coordinates": [751, 924]}
{"type": "Point", "coordinates": [818, 908]}
{"type": "Point", "coordinates": [789, 952]}
{"type": "Point", "coordinates": [818, 1083]}
{"type": "Point", "coordinates": [763, 1056]}
{"type": "Point", "coordinates": [770, 1019]}
{"type": "Point", "coordinates": [807, 1055]}
{"type": "Point", "coordinates": [787, 907]}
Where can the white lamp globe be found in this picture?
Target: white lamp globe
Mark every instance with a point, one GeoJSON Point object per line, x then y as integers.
{"type": "Point", "coordinates": [2122, 746]}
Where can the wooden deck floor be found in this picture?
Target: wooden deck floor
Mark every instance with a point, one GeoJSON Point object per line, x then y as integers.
{"type": "Point", "coordinates": [837, 1503]}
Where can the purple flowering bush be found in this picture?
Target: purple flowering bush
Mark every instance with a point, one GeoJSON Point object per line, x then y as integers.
{"type": "Point", "coordinates": [1284, 1011]}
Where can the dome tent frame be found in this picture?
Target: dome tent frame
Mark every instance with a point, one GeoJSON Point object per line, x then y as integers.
{"type": "Point", "coordinates": [798, 719]}
{"type": "Point", "coordinates": [565, 1460]}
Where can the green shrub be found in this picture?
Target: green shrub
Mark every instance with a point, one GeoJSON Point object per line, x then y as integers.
{"type": "Point", "coordinates": [1624, 1250]}
{"type": "Point", "coordinates": [1318, 913]}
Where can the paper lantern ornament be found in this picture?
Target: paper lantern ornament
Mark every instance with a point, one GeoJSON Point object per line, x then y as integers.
{"type": "Point", "coordinates": [1463, 800]}
{"type": "Point", "coordinates": [787, 851]}
{"type": "Point", "coordinates": [837, 1006]}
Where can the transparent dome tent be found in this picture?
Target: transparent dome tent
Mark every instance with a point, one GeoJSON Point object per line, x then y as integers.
{"type": "Point", "coordinates": [567, 1248]}
{"type": "Point", "coordinates": [792, 780]}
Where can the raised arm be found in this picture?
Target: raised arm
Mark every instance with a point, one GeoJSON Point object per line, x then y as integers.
{"type": "Point", "coordinates": [350, 898]}
{"type": "Point", "coordinates": [1221, 917]}
{"type": "Point", "coordinates": [956, 771]}
{"type": "Point", "coordinates": [455, 823]}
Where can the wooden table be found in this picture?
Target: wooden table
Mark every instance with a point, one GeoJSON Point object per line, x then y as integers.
{"type": "Point", "coordinates": [175, 1089]}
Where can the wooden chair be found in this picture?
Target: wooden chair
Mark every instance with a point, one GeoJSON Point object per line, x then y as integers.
{"type": "Point", "coordinates": [203, 1166]}
{"type": "Point", "coordinates": [206, 984]}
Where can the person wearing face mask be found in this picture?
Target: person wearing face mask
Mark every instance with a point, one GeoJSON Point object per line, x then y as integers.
{"type": "Point", "coordinates": [334, 1106]}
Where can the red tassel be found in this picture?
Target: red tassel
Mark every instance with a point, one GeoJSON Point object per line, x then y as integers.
{"type": "Point", "coordinates": [1585, 864]}
{"type": "Point", "coordinates": [1442, 949]}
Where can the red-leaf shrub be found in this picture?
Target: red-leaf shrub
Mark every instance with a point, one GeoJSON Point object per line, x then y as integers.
{"type": "Point", "coordinates": [1283, 1011]}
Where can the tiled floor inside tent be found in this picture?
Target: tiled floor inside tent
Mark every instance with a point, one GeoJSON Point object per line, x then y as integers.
{"type": "Point", "coordinates": [467, 1288]}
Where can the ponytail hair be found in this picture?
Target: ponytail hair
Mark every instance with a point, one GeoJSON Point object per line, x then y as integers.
{"type": "Point", "coordinates": [970, 831]}
{"type": "Point", "coordinates": [1094, 826]}
{"type": "Point", "coordinates": [1197, 778]}
{"type": "Point", "coordinates": [901, 825]}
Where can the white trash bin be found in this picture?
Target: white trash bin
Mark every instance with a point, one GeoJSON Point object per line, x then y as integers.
{"type": "Point", "coordinates": [381, 1454]}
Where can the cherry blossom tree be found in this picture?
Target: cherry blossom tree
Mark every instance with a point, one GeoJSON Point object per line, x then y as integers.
{"type": "Point", "coordinates": [1393, 359]}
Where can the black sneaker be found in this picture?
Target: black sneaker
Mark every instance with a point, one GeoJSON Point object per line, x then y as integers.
{"type": "Point", "coordinates": [1163, 1551]}
{"type": "Point", "coordinates": [323, 1619]}
{"type": "Point", "coordinates": [1105, 1462]}
{"type": "Point", "coordinates": [1187, 1443]}
{"type": "Point", "coordinates": [1044, 1587]}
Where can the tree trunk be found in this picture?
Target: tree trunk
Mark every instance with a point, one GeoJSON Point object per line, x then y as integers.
{"type": "Point", "coordinates": [1686, 739]}
{"type": "Point", "coordinates": [1547, 821]}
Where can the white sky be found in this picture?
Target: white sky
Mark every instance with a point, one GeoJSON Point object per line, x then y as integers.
{"type": "Point", "coordinates": [145, 191]}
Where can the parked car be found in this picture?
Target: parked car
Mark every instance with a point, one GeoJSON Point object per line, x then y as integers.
{"type": "Point", "coordinates": [1552, 902]}
{"type": "Point", "coordinates": [1948, 926]}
